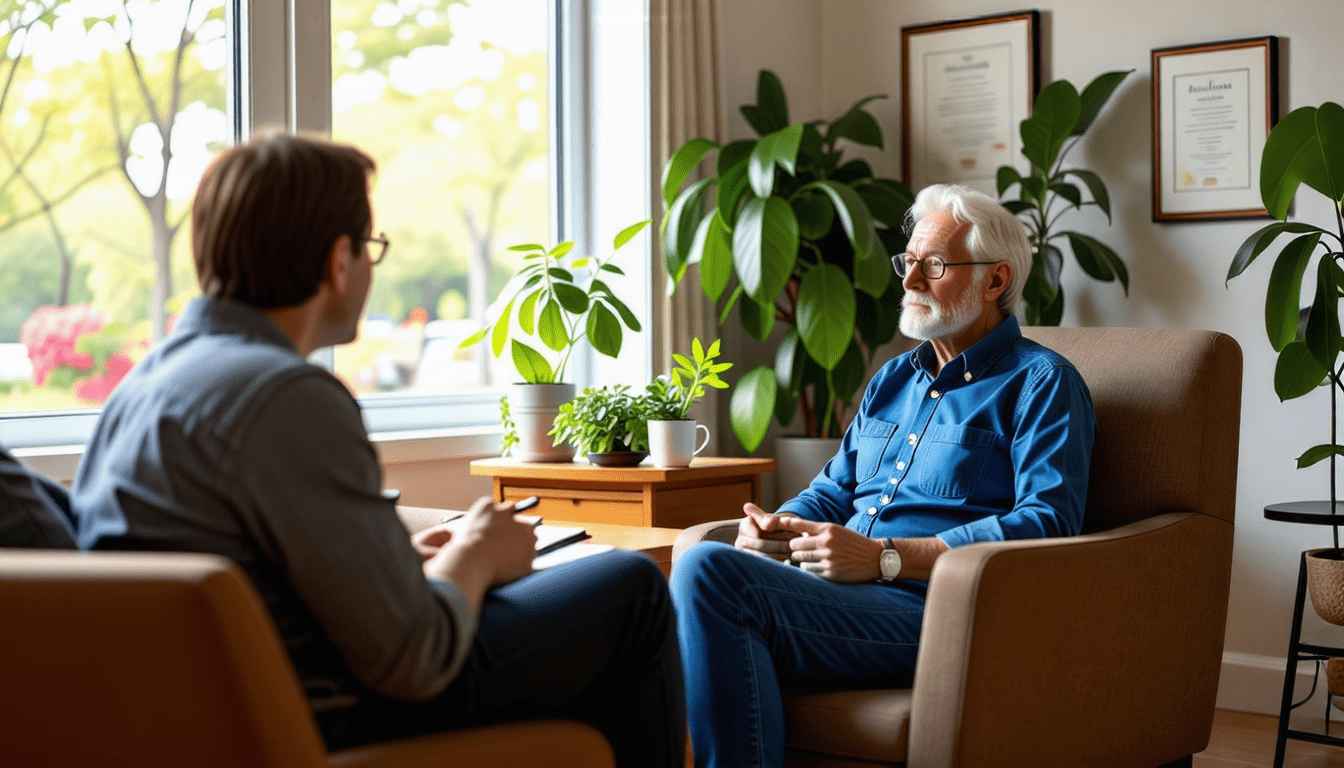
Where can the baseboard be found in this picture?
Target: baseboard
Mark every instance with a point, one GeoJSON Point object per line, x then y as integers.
{"type": "Point", "coordinates": [1254, 683]}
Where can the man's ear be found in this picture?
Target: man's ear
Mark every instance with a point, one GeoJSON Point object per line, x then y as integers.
{"type": "Point", "coordinates": [1000, 277]}
{"type": "Point", "coordinates": [338, 263]}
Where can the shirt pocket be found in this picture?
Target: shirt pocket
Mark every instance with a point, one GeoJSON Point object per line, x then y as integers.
{"type": "Point", "coordinates": [954, 460]}
{"type": "Point", "coordinates": [874, 437]}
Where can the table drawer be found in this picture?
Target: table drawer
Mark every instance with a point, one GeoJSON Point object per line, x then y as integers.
{"type": "Point", "coordinates": [684, 507]}
{"type": "Point", "coordinates": [584, 506]}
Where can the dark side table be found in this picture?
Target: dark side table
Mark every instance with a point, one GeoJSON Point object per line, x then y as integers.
{"type": "Point", "coordinates": [1319, 647]}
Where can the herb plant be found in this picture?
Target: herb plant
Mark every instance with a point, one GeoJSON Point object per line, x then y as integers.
{"type": "Point", "coordinates": [601, 420]}
{"type": "Point", "coordinates": [670, 400]}
{"type": "Point", "coordinates": [560, 300]}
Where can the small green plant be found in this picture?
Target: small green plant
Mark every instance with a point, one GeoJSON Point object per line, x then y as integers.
{"type": "Point", "coordinates": [601, 420]}
{"type": "Point", "coordinates": [560, 300]}
{"type": "Point", "coordinates": [669, 399]}
{"type": "Point", "coordinates": [510, 437]}
{"type": "Point", "coordinates": [1060, 114]}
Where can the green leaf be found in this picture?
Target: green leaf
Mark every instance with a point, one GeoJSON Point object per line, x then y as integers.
{"type": "Point", "coordinates": [1017, 206]}
{"type": "Point", "coordinates": [785, 407]}
{"type": "Point", "coordinates": [604, 330]}
{"type": "Point", "coordinates": [1292, 156]}
{"type": "Point", "coordinates": [501, 331]}
{"type": "Point", "coordinates": [683, 218]}
{"type": "Point", "coordinates": [1258, 242]}
{"type": "Point", "coordinates": [1097, 259]}
{"type": "Point", "coordinates": [752, 406]}
{"type": "Point", "coordinates": [558, 273]}
{"type": "Point", "coordinates": [728, 305]}
{"type": "Point", "coordinates": [815, 215]}
{"type": "Point", "coordinates": [698, 351]}
{"type": "Point", "coordinates": [872, 275]}
{"type": "Point", "coordinates": [1297, 371]}
{"type": "Point", "coordinates": [627, 316]}
{"type": "Point", "coordinates": [1033, 188]}
{"type": "Point", "coordinates": [757, 319]}
{"type": "Point", "coordinates": [848, 374]}
{"type": "Point", "coordinates": [1069, 192]}
{"type": "Point", "coordinates": [1005, 178]}
{"type": "Point", "coordinates": [561, 249]}
{"type": "Point", "coordinates": [1094, 98]}
{"type": "Point", "coordinates": [528, 247]}
{"type": "Point", "coordinates": [877, 319]}
{"type": "Point", "coordinates": [778, 148]}
{"type": "Point", "coordinates": [474, 338]}
{"type": "Point", "coordinates": [1284, 291]}
{"type": "Point", "coordinates": [887, 204]}
{"type": "Point", "coordinates": [611, 268]}
{"type": "Point", "coordinates": [1330, 129]}
{"type": "Point", "coordinates": [854, 215]}
{"type": "Point", "coordinates": [857, 125]}
{"type": "Point", "coordinates": [628, 234]}
{"type": "Point", "coordinates": [715, 244]}
{"type": "Point", "coordinates": [1097, 188]}
{"type": "Point", "coordinates": [790, 359]}
{"type": "Point", "coordinates": [680, 165]}
{"type": "Point", "coordinates": [770, 100]}
{"type": "Point", "coordinates": [527, 312]}
{"type": "Point", "coordinates": [1052, 120]}
{"type": "Point", "coordinates": [684, 361]}
{"type": "Point", "coordinates": [572, 298]}
{"type": "Point", "coordinates": [1323, 319]}
{"type": "Point", "coordinates": [765, 247]}
{"type": "Point", "coordinates": [531, 365]}
{"type": "Point", "coordinates": [551, 327]}
{"type": "Point", "coordinates": [1317, 453]}
{"type": "Point", "coordinates": [826, 314]}
{"type": "Point", "coordinates": [728, 194]}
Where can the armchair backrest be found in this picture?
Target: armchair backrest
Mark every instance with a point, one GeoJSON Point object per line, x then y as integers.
{"type": "Point", "coordinates": [1166, 400]}
{"type": "Point", "coordinates": [144, 659]}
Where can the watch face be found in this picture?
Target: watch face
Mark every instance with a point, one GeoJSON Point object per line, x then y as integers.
{"type": "Point", "coordinates": [890, 563]}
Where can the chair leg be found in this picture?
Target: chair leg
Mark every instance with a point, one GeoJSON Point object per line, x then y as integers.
{"type": "Point", "coordinates": [1182, 762]}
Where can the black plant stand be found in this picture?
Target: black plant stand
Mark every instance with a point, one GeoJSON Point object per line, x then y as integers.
{"type": "Point", "coordinates": [1318, 648]}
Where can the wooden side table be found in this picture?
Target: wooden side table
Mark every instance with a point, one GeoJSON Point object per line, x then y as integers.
{"type": "Point", "coordinates": [710, 488]}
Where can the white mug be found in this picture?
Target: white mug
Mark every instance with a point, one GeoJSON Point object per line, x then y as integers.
{"type": "Point", "coordinates": [672, 443]}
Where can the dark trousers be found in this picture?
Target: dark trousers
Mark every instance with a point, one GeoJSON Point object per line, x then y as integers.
{"type": "Point", "coordinates": [592, 640]}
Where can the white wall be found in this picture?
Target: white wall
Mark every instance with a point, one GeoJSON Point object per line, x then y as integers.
{"type": "Point", "coordinates": [831, 52]}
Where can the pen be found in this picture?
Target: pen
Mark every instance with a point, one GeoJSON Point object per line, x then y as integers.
{"type": "Point", "coordinates": [522, 504]}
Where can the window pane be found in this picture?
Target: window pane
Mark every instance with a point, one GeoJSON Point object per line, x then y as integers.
{"type": "Point", "coordinates": [109, 112]}
{"type": "Point", "coordinates": [450, 98]}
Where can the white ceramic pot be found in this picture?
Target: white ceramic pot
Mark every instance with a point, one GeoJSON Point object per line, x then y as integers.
{"type": "Point", "coordinates": [797, 461]}
{"type": "Point", "coordinates": [533, 408]}
{"type": "Point", "coordinates": [672, 443]}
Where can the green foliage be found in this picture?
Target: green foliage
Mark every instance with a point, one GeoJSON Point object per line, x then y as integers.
{"type": "Point", "coordinates": [560, 300]}
{"type": "Point", "coordinates": [603, 419]}
{"type": "Point", "coordinates": [510, 437]}
{"type": "Point", "coordinates": [804, 236]}
{"type": "Point", "coordinates": [669, 400]}
{"type": "Point", "coordinates": [1047, 193]}
{"type": "Point", "coordinates": [1305, 147]}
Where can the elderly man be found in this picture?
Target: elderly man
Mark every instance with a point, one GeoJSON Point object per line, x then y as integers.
{"type": "Point", "coordinates": [976, 435]}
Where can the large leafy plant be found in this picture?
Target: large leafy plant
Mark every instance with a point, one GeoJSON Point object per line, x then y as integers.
{"type": "Point", "coordinates": [1305, 147]}
{"type": "Point", "coordinates": [785, 230]}
{"type": "Point", "coordinates": [1058, 121]}
{"type": "Point", "coordinates": [560, 299]}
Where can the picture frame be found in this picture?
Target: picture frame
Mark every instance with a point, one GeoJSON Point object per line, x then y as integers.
{"type": "Point", "coordinates": [1213, 107]}
{"type": "Point", "coordinates": [967, 85]}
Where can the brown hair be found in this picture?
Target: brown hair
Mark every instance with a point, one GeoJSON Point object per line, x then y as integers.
{"type": "Point", "coordinates": [267, 213]}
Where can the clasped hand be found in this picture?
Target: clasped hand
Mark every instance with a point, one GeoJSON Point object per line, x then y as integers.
{"type": "Point", "coordinates": [830, 551]}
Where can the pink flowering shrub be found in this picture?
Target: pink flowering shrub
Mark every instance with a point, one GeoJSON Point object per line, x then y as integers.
{"type": "Point", "coordinates": [75, 348]}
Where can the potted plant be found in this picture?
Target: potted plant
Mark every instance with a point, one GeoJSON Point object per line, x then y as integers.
{"type": "Point", "coordinates": [558, 299]}
{"type": "Point", "coordinates": [785, 230]}
{"type": "Point", "coordinates": [1306, 147]}
{"type": "Point", "coordinates": [1058, 121]}
{"type": "Point", "coordinates": [668, 400]}
{"type": "Point", "coordinates": [607, 424]}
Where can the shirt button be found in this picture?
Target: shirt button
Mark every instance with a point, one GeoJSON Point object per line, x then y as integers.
{"type": "Point", "coordinates": [872, 510]}
{"type": "Point", "coordinates": [886, 499]}
{"type": "Point", "coordinates": [933, 394]}
{"type": "Point", "coordinates": [912, 439]}
{"type": "Point", "coordinates": [900, 465]}
{"type": "Point", "coordinates": [966, 375]}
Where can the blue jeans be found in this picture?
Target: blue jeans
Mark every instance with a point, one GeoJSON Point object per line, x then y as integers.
{"type": "Point", "coordinates": [592, 640]}
{"type": "Point", "coordinates": [753, 630]}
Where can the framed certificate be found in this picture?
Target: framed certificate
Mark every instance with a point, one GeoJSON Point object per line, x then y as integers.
{"type": "Point", "coordinates": [1213, 107]}
{"type": "Point", "coordinates": [967, 86]}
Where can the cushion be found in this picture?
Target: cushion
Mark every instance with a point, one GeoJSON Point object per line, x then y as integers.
{"type": "Point", "coordinates": [34, 510]}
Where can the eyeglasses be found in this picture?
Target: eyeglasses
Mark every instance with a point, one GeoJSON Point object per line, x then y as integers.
{"type": "Point", "coordinates": [932, 266]}
{"type": "Point", "coordinates": [382, 240]}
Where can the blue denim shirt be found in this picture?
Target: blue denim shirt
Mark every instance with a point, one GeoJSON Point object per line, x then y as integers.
{"type": "Point", "coordinates": [996, 446]}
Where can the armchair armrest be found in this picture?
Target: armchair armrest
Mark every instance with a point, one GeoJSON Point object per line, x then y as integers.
{"type": "Point", "coordinates": [717, 530]}
{"type": "Point", "coordinates": [1061, 651]}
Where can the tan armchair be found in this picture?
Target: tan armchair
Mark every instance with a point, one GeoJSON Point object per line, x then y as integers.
{"type": "Point", "coordinates": [171, 660]}
{"type": "Point", "coordinates": [1084, 652]}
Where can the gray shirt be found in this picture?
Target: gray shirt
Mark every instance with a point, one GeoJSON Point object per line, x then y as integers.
{"type": "Point", "coordinates": [224, 439]}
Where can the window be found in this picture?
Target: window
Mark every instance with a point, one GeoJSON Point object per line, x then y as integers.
{"type": "Point", "coordinates": [453, 98]}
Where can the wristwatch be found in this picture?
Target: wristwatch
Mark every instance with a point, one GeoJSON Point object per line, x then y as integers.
{"type": "Point", "coordinates": [889, 562]}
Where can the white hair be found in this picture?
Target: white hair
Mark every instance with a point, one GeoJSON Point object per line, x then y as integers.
{"type": "Point", "coordinates": [995, 233]}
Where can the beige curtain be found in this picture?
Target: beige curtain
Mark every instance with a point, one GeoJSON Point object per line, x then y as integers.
{"type": "Point", "coordinates": [686, 96]}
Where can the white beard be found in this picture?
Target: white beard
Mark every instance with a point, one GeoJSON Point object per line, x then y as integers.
{"type": "Point", "coordinates": [939, 322]}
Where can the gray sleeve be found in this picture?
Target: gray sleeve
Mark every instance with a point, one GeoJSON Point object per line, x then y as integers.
{"type": "Point", "coordinates": [308, 484]}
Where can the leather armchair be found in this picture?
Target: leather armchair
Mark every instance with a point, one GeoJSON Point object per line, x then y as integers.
{"type": "Point", "coordinates": [167, 660]}
{"type": "Point", "coordinates": [1096, 650]}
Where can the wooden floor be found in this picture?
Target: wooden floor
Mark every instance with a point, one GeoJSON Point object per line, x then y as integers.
{"type": "Point", "coordinates": [1243, 740]}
